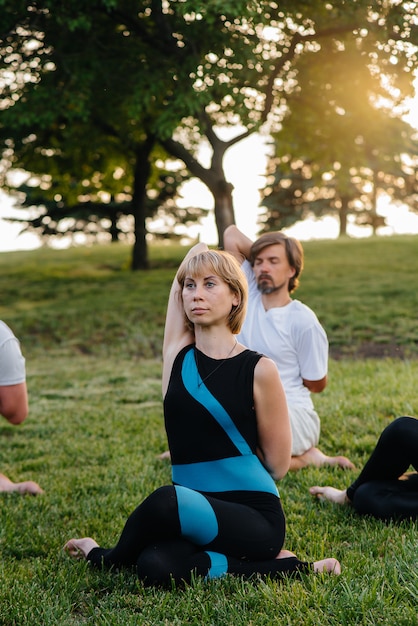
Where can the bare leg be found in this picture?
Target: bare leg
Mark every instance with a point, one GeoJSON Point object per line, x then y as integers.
{"type": "Point", "coordinates": [315, 457]}
{"type": "Point", "coordinates": [338, 496]}
{"type": "Point", "coordinates": [80, 548]}
{"type": "Point", "coordinates": [164, 455]}
{"type": "Point", "coordinates": [27, 486]}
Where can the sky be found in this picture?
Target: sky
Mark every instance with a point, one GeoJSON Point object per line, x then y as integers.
{"type": "Point", "coordinates": [245, 165]}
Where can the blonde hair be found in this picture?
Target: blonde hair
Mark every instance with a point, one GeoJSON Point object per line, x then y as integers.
{"type": "Point", "coordinates": [225, 266]}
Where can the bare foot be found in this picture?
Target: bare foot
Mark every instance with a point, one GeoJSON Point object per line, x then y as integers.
{"type": "Point", "coordinates": [406, 475]}
{"type": "Point", "coordinates": [164, 455]}
{"type": "Point", "coordinates": [284, 554]}
{"type": "Point", "coordinates": [315, 457]}
{"type": "Point", "coordinates": [341, 461]}
{"type": "Point", "coordinates": [332, 566]}
{"type": "Point", "coordinates": [80, 548]}
{"type": "Point", "coordinates": [338, 496]}
{"type": "Point", "coordinates": [25, 487]}
{"type": "Point", "coordinates": [29, 487]}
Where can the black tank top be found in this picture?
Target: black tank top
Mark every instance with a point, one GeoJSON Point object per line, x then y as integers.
{"type": "Point", "coordinates": [211, 424]}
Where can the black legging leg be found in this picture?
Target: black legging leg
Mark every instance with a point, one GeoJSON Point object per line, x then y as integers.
{"type": "Point", "coordinates": [176, 532]}
{"type": "Point", "coordinates": [396, 450]}
{"type": "Point", "coordinates": [217, 525]}
{"type": "Point", "coordinates": [175, 512]}
{"type": "Point", "coordinates": [391, 499]}
{"type": "Point", "coordinates": [156, 518]}
{"type": "Point", "coordinates": [378, 490]}
{"type": "Point", "coordinates": [179, 560]}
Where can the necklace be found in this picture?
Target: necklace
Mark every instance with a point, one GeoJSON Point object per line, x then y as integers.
{"type": "Point", "coordinates": [200, 380]}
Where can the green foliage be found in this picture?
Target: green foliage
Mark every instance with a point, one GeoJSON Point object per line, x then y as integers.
{"type": "Point", "coordinates": [91, 332]}
{"type": "Point", "coordinates": [128, 74]}
{"type": "Point", "coordinates": [353, 145]}
{"type": "Point", "coordinates": [81, 111]}
{"type": "Point", "coordinates": [292, 195]}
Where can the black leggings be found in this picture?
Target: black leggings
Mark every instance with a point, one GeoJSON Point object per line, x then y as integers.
{"type": "Point", "coordinates": [177, 533]}
{"type": "Point", "coordinates": [379, 491]}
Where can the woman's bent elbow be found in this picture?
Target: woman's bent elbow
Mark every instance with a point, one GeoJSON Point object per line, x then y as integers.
{"type": "Point", "coordinates": [280, 470]}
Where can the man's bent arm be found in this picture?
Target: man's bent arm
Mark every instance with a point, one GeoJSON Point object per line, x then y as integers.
{"type": "Point", "coordinates": [315, 386]}
{"type": "Point", "coordinates": [238, 244]}
{"type": "Point", "coordinates": [14, 402]}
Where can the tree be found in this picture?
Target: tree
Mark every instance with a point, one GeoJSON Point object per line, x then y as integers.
{"type": "Point", "coordinates": [297, 189]}
{"type": "Point", "coordinates": [194, 68]}
{"type": "Point", "coordinates": [103, 217]}
{"type": "Point", "coordinates": [259, 81]}
{"type": "Point", "coordinates": [355, 149]}
{"type": "Point", "coordinates": [86, 90]}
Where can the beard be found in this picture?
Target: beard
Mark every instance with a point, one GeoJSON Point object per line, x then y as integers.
{"type": "Point", "coordinates": [266, 285]}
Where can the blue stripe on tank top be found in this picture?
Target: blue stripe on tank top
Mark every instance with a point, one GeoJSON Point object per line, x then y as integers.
{"type": "Point", "coordinates": [198, 521]}
{"type": "Point", "coordinates": [218, 565]}
{"type": "Point", "coordinates": [191, 377]}
{"type": "Point", "coordinates": [237, 473]}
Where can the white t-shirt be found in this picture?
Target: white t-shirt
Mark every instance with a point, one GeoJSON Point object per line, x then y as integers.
{"type": "Point", "coordinates": [12, 362]}
{"type": "Point", "coordinates": [291, 336]}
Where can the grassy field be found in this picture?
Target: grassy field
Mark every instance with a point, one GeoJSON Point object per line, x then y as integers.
{"type": "Point", "coordinates": [91, 332]}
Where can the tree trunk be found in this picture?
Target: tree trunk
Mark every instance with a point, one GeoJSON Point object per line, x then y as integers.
{"type": "Point", "coordinates": [223, 207]}
{"type": "Point", "coordinates": [343, 217]}
{"type": "Point", "coordinates": [213, 177]}
{"type": "Point", "coordinates": [142, 170]}
{"type": "Point", "coordinates": [375, 221]}
{"type": "Point", "coordinates": [114, 230]}
{"type": "Point", "coordinates": [221, 189]}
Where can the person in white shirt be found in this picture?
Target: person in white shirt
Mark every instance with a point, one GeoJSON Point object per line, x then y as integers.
{"type": "Point", "coordinates": [287, 331]}
{"type": "Point", "coordinates": [13, 397]}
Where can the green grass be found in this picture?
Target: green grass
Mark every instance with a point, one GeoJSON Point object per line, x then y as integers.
{"type": "Point", "coordinates": [91, 332]}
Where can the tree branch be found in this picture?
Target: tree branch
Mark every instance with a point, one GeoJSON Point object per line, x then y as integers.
{"type": "Point", "coordinates": [177, 149]}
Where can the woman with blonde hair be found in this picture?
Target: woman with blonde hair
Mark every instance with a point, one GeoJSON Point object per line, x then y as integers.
{"type": "Point", "coordinates": [229, 438]}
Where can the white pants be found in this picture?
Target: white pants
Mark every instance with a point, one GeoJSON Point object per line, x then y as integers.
{"type": "Point", "coordinates": [306, 428]}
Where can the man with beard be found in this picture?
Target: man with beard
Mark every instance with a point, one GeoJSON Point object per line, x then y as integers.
{"type": "Point", "coordinates": [287, 331]}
